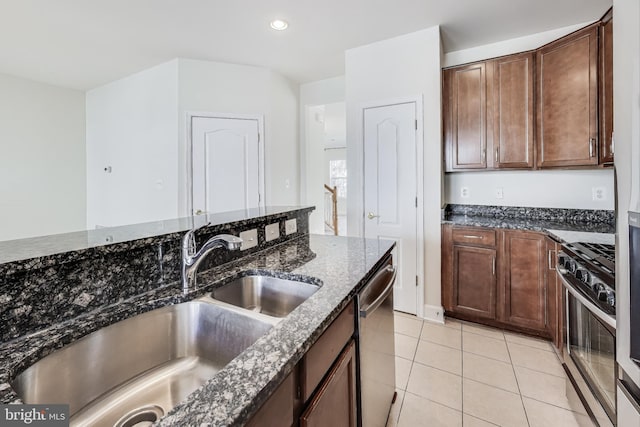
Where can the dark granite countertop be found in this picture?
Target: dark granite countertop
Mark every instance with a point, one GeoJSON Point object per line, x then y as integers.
{"type": "Point", "coordinates": [528, 218]}
{"type": "Point", "coordinates": [233, 395]}
{"type": "Point", "coordinates": [541, 225]}
{"type": "Point", "coordinates": [65, 246]}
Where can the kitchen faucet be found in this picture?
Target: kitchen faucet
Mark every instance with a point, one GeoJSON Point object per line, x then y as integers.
{"type": "Point", "coordinates": [191, 258]}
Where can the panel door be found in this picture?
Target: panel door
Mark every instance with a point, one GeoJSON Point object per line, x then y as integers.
{"type": "Point", "coordinates": [474, 281]}
{"type": "Point", "coordinates": [525, 262]}
{"type": "Point", "coordinates": [335, 402]}
{"type": "Point", "coordinates": [226, 164]}
{"type": "Point", "coordinates": [568, 101]}
{"type": "Point", "coordinates": [467, 117]}
{"type": "Point", "coordinates": [390, 190]}
{"type": "Point", "coordinates": [513, 145]}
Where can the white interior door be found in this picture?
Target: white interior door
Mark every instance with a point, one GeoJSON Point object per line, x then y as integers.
{"type": "Point", "coordinates": [390, 189]}
{"type": "Point", "coordinates": [227, 167]}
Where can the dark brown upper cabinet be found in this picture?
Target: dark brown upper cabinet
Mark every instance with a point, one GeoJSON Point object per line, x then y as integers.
{"type": "Point", "coordinates": [606, 89]}
{"type": "Point", "coordinates": [465, 121]}
{"type": "Point", "coordinates": [567, 72]}
{"type": "Point", "coordinates": [513, 145]}
{"type": "Point", "coordinates": [549, 108]}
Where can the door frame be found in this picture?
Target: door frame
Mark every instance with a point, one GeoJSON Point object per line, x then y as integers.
{"type": "Point", "coordinates": [419, 144]}
{"type": "Point", "coordinates": [190, 115]}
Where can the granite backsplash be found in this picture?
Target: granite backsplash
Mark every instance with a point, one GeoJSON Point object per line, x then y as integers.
{"type": "Point", "coordinates": [39, 292]}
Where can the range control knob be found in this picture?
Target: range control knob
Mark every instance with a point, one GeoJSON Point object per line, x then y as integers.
{"type": "Point", "coordinates": [598, 288]}
{"type": "Point", "coordinates": [602, 295]}
{"type": "Point", "coordinates": [611, 298]}
{"type": "Point", "coordinates": [582, 275]}
{"type": "Point", "coordinates": [562, 259]}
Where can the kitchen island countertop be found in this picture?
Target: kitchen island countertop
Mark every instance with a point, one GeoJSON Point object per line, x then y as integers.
{"type": "Point", "coordinates": [235, 393]}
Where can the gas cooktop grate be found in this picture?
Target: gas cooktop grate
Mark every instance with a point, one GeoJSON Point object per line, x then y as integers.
{"type": "Point", "coordinates": [607, 252]}
{"type": "Point", "coordinates": [600, 255]}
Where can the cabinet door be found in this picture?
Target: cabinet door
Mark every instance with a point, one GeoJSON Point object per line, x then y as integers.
{"type": "Point", "coordinates": [513, 112]}
{"type": "Point", "coordinates": [465, 116]}
{"type": "Point", "coordinates": [606, 92]}
{"type": "Point", "coordinates": [474, 281]}
{"type": "Point", "coordinates": [525, 261]}
{"type": "Point", "coordinates": [335, 402]}
{"type": "Point", "coordinates": [568, 100]}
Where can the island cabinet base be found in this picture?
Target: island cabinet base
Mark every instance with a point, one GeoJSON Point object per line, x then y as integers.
{"type": "Point", "coordinates": [321, 390]}
{"type": "Point", "coordinates": [499, 278]}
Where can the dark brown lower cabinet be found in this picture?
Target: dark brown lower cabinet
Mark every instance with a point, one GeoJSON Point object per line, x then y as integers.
{"type": "Point", "coordinates": [500, 278]}
{"type": "Point", "coordinates": [321, 390]}
{"type": "Point", "coordinates": [474, 278]}
{"type": "Point", "coordinates": [278, 410]}
{"type": "Point", "coordinates": [335, 402]}
{"type": "Point", "coordinates": [524, 302]}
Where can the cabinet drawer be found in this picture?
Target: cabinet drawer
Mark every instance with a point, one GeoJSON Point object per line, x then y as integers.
{"type": "Point", "coordinates": [474, 236]}
{"type": "Point", "coordinates": [318, 360]}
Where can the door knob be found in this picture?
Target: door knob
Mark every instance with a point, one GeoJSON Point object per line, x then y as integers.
{"type": "Point", "coordinates": [370, 215]}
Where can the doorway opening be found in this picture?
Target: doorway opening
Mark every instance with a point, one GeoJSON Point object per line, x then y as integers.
{"type": "Point", "coordinates": [326, 167]}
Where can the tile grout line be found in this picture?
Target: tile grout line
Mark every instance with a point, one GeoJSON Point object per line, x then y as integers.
{"type": "Point", "coordinates": [462, 371]}
{"type": "Point", "coordinates": [406, 386]}
{"type": "Point", "coordinates": [524, 408]}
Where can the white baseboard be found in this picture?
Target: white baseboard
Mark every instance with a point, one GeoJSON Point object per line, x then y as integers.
{"type": "Point", "coordinates": [434, 313]}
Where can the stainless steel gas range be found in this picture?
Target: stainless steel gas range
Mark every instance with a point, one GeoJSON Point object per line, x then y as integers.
{"type": "Point", "coordinates": [587, 271]}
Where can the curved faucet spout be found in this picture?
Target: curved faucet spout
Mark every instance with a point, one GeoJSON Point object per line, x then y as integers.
{"type": "Point", "coordinates": [191, 258]}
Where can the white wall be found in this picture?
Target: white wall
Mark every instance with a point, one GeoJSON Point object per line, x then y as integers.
{"type": "Point", "coordinates": [507, 47]}
{"type": "Point", "coordinates": [314, 170]}
{"type": "Point", "coordinates": [405, 66]}
{"type": "Point", "coordinates": [132, 126]}
{"type": "Point", "coordinates": [626, 124]}
{"type": "Point", "coordinates": [526, 188]}
{"type": "Point", "coordinates": [542, 189]}
{"type": "Point", "coordinates": [312, 95]}
{"type": "Point", "coordinates": [42, 159]}
{"type": "Point", "coordinates": [137, 125]}
{"type": "Point", "coordinates": [217, 87]}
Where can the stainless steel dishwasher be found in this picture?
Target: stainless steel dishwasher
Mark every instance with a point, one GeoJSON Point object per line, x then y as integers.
{"type": "Point", "coordinates": [377, 371]}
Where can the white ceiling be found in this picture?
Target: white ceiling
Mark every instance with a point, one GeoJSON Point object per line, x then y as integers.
{"type": "Point", "coordinates": [85, 43]}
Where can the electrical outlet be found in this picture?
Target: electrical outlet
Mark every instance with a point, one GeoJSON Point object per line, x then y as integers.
{"type": "Point", "coordinates": [464, 192]}
{"type": "Point", "coordinates": [499, 193]}
{"type": "Point", "coordinates": [599, 194]}
{"type": "Point", "coordinates": [249, 239]}
{"type": "Point", "coordinates": [290, 226]}
{"type": "Point", "coordinates": [272, 231]}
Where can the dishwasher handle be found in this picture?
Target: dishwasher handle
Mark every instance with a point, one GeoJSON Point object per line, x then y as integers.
{"type": "Point", "coordinates": [370, 308]}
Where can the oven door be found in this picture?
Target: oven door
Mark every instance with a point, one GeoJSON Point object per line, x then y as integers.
{"type": "Point", "coordinates": [590, 354]}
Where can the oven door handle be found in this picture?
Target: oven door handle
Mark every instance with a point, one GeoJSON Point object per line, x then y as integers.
{"type": "Point", "coordinates": [604, 317]}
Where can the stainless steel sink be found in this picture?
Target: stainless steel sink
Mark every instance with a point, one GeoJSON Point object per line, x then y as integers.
{"type": "Point", "coordinates": [264, 294]}
{"type": "Point", "coordinates": [133, 372]}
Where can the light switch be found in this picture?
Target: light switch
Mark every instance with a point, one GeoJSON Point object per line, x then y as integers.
{"type": "Point", "coordinates": [249, 239]}
{"type": "Point", "coordinates": [290, 226]}
{"type": "Point", "coordinates": [272, 231]}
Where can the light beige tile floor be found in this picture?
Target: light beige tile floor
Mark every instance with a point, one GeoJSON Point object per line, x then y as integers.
{"type": "Point", "coordinates": [463, 374]}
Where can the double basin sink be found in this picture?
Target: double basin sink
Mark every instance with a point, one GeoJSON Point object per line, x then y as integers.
{"type": "Point", "coordinates": [133, 372]}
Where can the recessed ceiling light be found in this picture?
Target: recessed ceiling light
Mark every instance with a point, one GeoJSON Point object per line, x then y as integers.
{"type": "Point", "coordinates": [279, 24]}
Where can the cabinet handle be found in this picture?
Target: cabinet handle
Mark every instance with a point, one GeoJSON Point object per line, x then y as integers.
{"type": "Point", "coordinates": [493, 267]}
{"type": "Point", "coordinates": [483, 155]}
{"type": "Point", "coordinates": [497, 155]}
{"type": "Point", "coordinates": [550, 260]}
{"type": "Point", "coordinates": [612, 145]}
{"type": "Point", "coordinates": [471, 237]}
{"type": "Point", "coordinates": [591, 146]}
